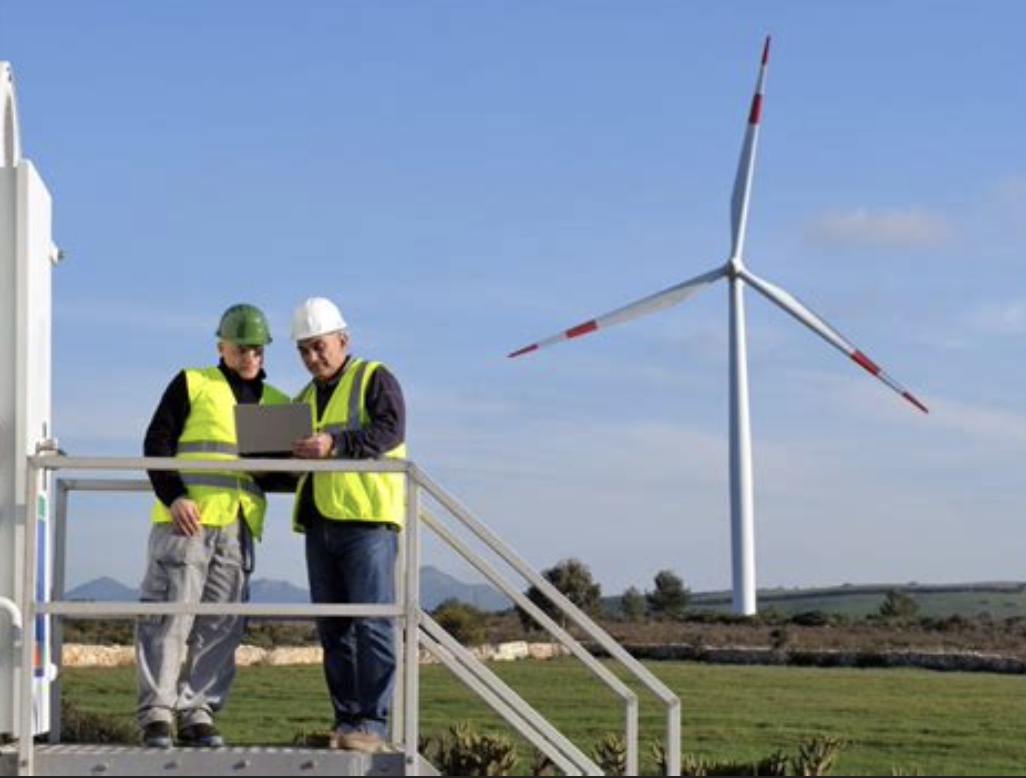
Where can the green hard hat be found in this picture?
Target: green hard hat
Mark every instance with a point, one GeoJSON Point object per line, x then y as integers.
{"type": "Point", "coordinates": [246, 325]}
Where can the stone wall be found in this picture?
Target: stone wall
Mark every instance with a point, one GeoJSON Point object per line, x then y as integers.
{"type": "Point", "coordinates": [78, 655]}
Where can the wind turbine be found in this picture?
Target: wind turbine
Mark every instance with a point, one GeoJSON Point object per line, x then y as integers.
{"type": "Point", "coordinates": [739, 276]}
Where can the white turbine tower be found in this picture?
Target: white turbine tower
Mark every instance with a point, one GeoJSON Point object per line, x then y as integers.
{"type": "Point", "coordinates": [734, 270]}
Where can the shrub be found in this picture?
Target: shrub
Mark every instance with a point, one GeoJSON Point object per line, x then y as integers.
{"type": "Point", "coordinates": [611, 754]}
{"type": "Point", "coordinates": [816, 756]}
{"type": "Point", "coordinates": [816, 618]}
{"type": "Point", "coordinates": [78, 726]}
{"type": "Point", "coordinates": [464, 752]}
{"type": "Point", "coordinates": [464, 622]}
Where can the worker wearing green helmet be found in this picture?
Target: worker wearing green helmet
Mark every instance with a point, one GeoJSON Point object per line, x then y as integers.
{"type": "Point", "coordinates": [202, 537]}
{"type": "Point", "coordinates": [245, 325]}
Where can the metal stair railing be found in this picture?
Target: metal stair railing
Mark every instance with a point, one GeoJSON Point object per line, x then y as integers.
{"type": "Point", "coordinates": [40, 465]}
{"type": "Point", "coordinates": [504, 700]}
{"type": "Point", "coordinates": [572, 612]}
{"type": "Point", "coordinates": [419, 629]}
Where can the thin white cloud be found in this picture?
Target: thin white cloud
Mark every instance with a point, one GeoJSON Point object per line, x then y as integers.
{"type": "Point", "coordinates": [132, 317]}
{"type": "Point", "coordinates": [954, 428]}
{"type": "Point", "coordinates": [1009, 202]}
{"type": "Point", "coordinates": [1011, 192]}
{"type": "Point", "coordinates": [1000, 318]}
{"type": "Point", "coordinates": [996, 428]}
{"type": "Point", "coordinates": [913, 228]}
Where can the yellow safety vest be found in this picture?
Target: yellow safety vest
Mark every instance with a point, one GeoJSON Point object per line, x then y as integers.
{"type": "Point", "coordinates": [353, 496]}
{"type": "Point", "coordinates": [209, 433]}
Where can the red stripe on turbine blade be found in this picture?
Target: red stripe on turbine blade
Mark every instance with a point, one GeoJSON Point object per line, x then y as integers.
{"type": "Point", "coordinates": [865, 362]}
{"type": "Point", "coordinates": [582, 329]}
{"type": "Point", "coordinates": [756, 112]}
{"type": "Point", "coordinates": [524, 350]}
{"type": "Point", "coordinates": [915, 402]}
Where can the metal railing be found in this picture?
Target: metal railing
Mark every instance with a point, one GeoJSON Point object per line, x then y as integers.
{"type": "Point", "coordinates": [417, 628]}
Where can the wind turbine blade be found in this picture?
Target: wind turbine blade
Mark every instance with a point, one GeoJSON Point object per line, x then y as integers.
{"type": "Point", "coordinates": [817, 324]}
{"type": "Point", "coordinates": [746, 165]}
{"type": "Point", "coordinates": [655, 302]}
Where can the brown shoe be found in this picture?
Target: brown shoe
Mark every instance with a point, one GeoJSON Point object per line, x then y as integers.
{"type": "Point", "coordinates": [365, 742]}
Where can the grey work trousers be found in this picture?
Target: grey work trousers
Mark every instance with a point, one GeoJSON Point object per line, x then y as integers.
{"type": "Point", "coordinates": [186, 663]}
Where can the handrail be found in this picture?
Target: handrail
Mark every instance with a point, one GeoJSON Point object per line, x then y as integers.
{"type": "Point", "coordinates": [8, 606]}
{"type": "Point", "coordinates": [504, 700]}
{"type": "Point", "coordinates": [615, 650]}
{"type": "Point", "coordinates": [64, 462]}
{"type": "Point", "coordinates": [566, 640]}
{"type": "Point", "coordinates": [426, 631]}
{"type": "Point", "coordinates": [14, 612]}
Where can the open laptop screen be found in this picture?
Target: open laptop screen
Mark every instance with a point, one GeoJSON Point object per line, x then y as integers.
{"type": "Point", "coordinates": [270, 430]}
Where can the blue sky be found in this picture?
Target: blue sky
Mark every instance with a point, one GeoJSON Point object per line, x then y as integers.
{"type": "Point", "coordinates": [465, 178]}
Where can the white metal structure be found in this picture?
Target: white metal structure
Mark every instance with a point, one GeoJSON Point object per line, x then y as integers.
{"type": "Point", "coordinates": [742, 512]}
{"type": "Point", "coordinates": [430, 509]}
{"type": "Point", "coordinates": [27, 254]}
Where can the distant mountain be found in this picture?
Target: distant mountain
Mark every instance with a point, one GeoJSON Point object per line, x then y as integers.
{"type": "Point", "coordinates": [103, 589]}
{"type": "Point", "coordinates": [1000, 599]}
{"type": "Point", "coordinates": [435, 587]}
{"type": "Point", "coordinates": [273, 590]}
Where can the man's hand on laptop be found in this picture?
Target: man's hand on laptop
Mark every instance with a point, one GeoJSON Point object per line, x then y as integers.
{"type": "Point", "coordinates": [316, 446]}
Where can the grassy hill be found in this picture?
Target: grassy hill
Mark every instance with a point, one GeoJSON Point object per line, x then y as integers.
{"type": "Point", "coordinates": [995, 600]}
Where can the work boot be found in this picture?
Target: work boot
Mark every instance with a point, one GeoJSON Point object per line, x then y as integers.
{"type": "Point", "coordinates": [200, 736]}
{"type": "Point", "coordinates": [157, 734]}
{"type": "Point", "coordinates": [358, 740]}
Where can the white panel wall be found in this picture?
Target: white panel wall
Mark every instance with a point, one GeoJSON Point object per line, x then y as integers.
{"type": "Point", "coordinates": [11, 510]}
{"type": "Point", "coordinates": [26, 258]}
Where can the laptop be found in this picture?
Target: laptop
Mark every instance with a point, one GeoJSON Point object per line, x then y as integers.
{"type": "Point", "coordinates": [270, 430]}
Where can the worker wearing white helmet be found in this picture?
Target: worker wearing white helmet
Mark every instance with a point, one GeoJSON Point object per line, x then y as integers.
{"type": "Point", "coordinates": [351, 520]}
{"type": "Point", "coordinates": [316, 316]}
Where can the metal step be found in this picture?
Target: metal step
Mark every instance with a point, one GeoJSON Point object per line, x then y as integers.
{"type": "Point", "coordinates": [103, 760]}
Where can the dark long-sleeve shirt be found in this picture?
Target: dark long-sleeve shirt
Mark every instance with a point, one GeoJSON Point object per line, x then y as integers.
{"type": "Point", "coordinates": [386, 410]}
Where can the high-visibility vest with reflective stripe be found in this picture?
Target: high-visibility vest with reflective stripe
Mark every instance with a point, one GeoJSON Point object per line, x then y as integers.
{"type": "Point", "coordinates": [209, 433]}
{"type": "Point", "coordinates": [353, 496]}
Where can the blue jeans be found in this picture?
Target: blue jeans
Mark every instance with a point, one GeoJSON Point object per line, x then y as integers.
{"type": "Point", "coordinates": [354, 563]}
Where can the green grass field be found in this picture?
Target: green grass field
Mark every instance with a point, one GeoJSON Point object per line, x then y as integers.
{"type": "Point", "coordinates": [913, 721]}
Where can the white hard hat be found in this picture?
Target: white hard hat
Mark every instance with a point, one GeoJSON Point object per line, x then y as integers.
{"type": "Point", "coordinates": [316, 316]}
